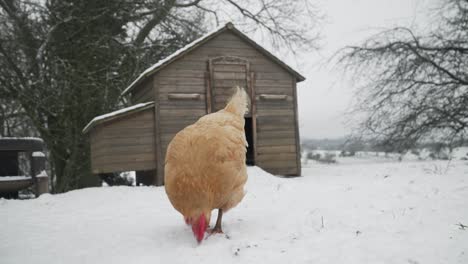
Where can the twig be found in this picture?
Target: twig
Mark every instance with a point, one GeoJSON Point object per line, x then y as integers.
{"type": "Point", "coordinates": [448, 166]}
{"type": "Point", "coordinates": [323, 226]}
{"type": "Point", "coordinates": [462, 226]}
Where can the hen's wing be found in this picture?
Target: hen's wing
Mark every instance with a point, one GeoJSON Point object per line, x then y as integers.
{"type": "Point", "coordinates": [205, 164]}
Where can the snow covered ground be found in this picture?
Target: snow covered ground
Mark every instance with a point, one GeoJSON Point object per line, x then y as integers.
{"type": "Point", "coordinates": [355, 211]}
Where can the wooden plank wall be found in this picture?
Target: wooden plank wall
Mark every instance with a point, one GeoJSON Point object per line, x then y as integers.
{"type": "Point", "coordinates": [276, 137]}
{"type": "Point", "coordinates": [124, 144]}
{"type": "Point", "coordinates": [176, 114]}
{"type": "Point", "coordinates": [143, 92]}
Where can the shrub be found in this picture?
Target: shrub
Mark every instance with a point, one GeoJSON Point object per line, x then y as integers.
{"type": "Point", "coordinates": [345, 153]}
{"type": "Point", "coordinates": [328, 158]}
{"type": "Point", "coordinates": [313, 156]}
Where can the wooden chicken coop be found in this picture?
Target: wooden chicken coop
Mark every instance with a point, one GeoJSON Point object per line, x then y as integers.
{"type": "Point", "coordinates": [194, 81]}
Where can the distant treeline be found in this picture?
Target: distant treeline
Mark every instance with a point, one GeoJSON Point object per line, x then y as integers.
{"type": "Point", "coordinates": [354, 145]}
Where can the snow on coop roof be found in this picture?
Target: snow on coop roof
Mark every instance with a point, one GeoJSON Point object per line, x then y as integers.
{"type": "Point", "coordinates": [179, 53]}
{"type": "Point", "coordinates": [15, 178]}
{"type": "Point", "coordinates": [38, 154]}
{"type": "Point", "coordinates": [116, 114]}
{"type": "Point", "coordinates": [23, 138]}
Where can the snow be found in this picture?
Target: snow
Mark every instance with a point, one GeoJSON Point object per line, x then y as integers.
{"type": "Point", "coordinates": [460, 153]}
{"type": "Point", "coordinates": [375, 211]}
{"type": "Point", "coordinates": [115, 113]}
{"type": "Point", "coordinates": [15, 178]}
{"type": "Point", "coordinates": [38, 154]}
{"type": "Point", "coordinates": [43, 173]}
{"type": "Point", "coordinates": [172, 56]}
{"type": "Point", "coordinates": [23, 138]}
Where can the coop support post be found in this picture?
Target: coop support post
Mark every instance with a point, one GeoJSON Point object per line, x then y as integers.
{"type": "Point", "coordinates": [146, 177]}
{"type": "Point", "coordinates": [32, 172]}
{"type": "Point", "coordinates": [41, 180]}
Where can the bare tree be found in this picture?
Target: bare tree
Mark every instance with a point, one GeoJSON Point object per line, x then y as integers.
{"type": "Point", "coordinates": [64, 62]}
{"type": "Point", "coordinates": [13, 121]}
{"type": "Point", "coordinates": [413, 87]}
{"type": "Point", "coordinates": [293, 24]}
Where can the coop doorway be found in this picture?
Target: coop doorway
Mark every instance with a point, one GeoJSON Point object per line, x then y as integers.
{"type": "Point", "coordinates": [250, 155]}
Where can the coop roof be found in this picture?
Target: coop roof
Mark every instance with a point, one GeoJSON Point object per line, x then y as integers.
{"type": "Point", "coordinates": [21, 144]}
{"type": "Point", "coordinates": [117, 114]}
{"type": "Point", "coordinates": [194, 44]}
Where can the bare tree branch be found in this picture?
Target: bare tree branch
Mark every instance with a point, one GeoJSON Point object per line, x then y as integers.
{"type": "Point", "coordinates": [413, 87]}
{"type": "Point", "coordinates": [158, 16]}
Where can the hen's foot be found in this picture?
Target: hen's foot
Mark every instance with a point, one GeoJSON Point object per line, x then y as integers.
{"type": "Point", "coordinates": [215, 230]}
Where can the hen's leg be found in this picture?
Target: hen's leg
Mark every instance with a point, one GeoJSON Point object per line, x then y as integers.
{"type": "Point", "coordinates": [217, 228]}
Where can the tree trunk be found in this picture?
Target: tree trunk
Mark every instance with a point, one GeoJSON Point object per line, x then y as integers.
{"type": "Point", "coordinates": [72, 171]}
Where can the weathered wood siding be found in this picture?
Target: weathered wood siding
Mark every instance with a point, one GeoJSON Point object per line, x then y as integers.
{"type": "Point", "coordinates": [175, 114]}
{"type": "Point", "coordinates": [143, 92]}
{"type": "Point", "coordinates": [277, 147]}
{"type": "Point", "coordinates": [276, 119]}
{"type": "Point", "coordinates": [226, 73]}
{"type": "Point", "coordinates": [124, 144]}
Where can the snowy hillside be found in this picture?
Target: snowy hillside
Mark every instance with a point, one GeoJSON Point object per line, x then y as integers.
{"type": "Point", "coordinates": [350, 212]}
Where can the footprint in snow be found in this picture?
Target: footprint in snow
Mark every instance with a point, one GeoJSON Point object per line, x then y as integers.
{"type": "Point", "coordinates": [238, 249]}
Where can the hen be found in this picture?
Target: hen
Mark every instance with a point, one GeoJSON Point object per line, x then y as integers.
{"type": "Point", "coordinates": [205, 165]}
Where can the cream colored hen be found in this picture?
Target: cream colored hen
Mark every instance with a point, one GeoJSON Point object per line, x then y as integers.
{"type": "Point", "coordinates": [205, 165]}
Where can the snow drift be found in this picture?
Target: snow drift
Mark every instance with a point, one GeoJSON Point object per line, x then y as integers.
{"type": "Point", "coordinates": [344, 213]}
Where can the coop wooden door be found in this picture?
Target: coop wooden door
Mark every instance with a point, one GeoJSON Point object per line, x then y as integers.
{"type": "Point", "coordinates": [225, 74]}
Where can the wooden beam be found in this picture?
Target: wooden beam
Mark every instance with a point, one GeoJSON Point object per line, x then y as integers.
{"type": "Point", "coordinates": [208, 90]}
{"type": "Point", "coordinates": [159, 172]}
{"type": "Point", "coordinates": [298, 142]}
{"type": "Point", "coordinates": [253, 107]}
{"type": "Point", "coordinates": [184, 96]}
{"type": "Point", "coordinates": [273, 97]}
{"type": "Point", "coordinates": [211, 85]}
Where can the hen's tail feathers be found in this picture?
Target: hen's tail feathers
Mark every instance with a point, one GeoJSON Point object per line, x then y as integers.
{"type": "Point", "coordinates": [239, 102]}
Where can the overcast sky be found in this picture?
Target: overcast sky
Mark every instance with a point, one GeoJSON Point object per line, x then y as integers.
{"type": "Point", "coordinates": [323, 97]}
